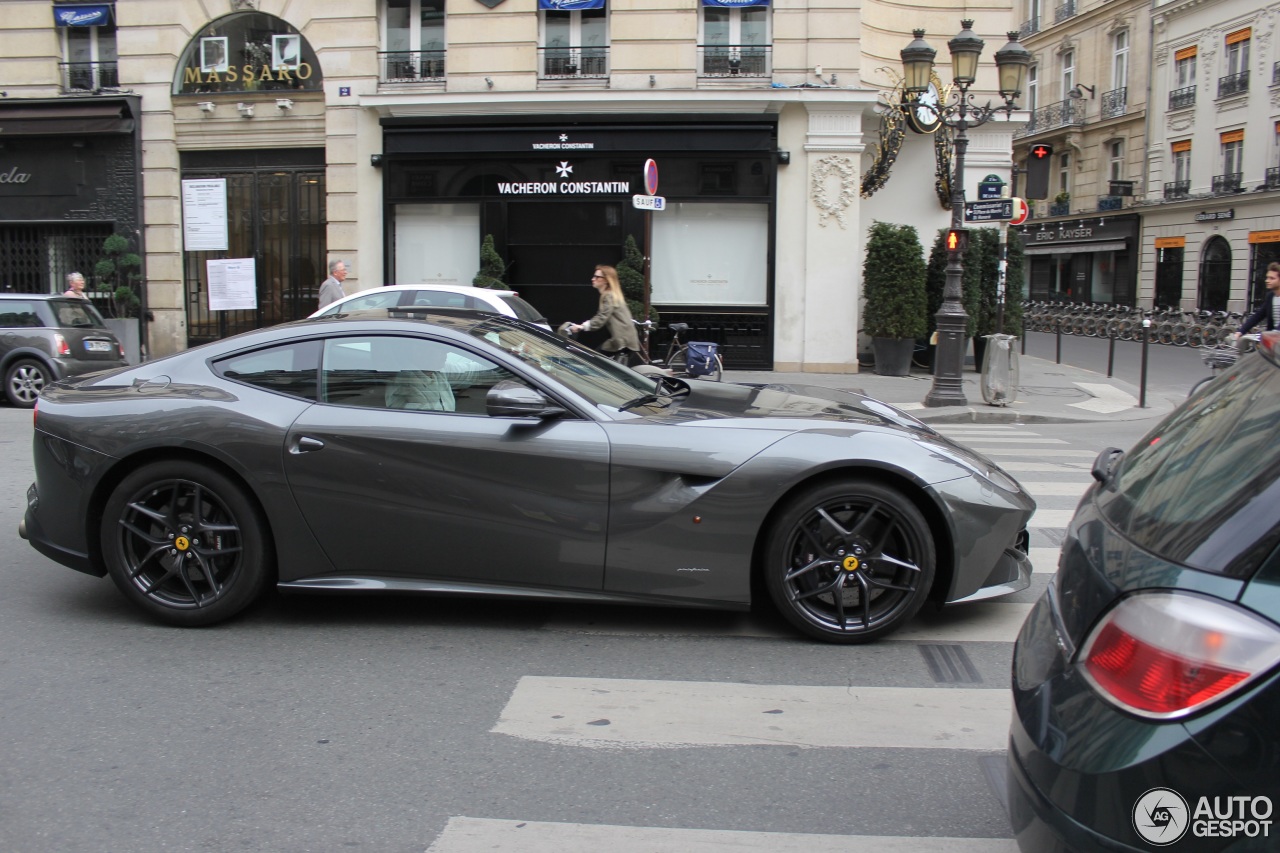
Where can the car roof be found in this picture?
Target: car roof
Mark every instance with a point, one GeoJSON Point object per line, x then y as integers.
{"type": "Point", "coordinates": [450, 288]}
{"type": "Point", "coordinates": [42, 296]}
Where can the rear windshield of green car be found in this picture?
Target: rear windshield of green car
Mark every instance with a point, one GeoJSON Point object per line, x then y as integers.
{"type": "Point", "coordinates": [1203, 489]}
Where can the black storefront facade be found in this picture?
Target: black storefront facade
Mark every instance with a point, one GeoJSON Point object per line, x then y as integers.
{"type": "Point", "coordinates": [1089, 260]}
{"type": "Point", "coordinates": [70, 177]}
{"type": "Point", "coordinates": [556, 195]}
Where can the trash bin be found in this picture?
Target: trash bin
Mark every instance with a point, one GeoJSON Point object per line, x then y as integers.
{"type": "Point", "coordinates": [1000, 370]}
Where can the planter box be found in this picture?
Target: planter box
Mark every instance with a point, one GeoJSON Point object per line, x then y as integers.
{"type": "Point", "coordinates": [893, 355]}
{"type": "Point", "coordinates": [126, 330]}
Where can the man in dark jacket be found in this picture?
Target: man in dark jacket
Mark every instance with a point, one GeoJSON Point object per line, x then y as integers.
{"type": "Point", "coordinates": [1269, 310]}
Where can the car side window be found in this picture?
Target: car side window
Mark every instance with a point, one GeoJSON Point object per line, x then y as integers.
{"type": "Point", "coordinates": [289, 369]}
{"type": "Point", "coordinates": [407, 373]}
{"type": "Point", "coordinates": [443, 299]}
{"type": "Point", "coordinates": [377, 299]}
{"type": "Point", "coordinates": [18, 315]}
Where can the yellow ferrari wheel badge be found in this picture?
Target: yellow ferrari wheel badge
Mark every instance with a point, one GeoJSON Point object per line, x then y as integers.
{"type": "Point", "coordinates": [850, 564]}
{"type": "Point", "coordinates": [182, 543]}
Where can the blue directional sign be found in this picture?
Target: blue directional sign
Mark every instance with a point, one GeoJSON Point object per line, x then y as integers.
{"type": "Point", "coordinates": [990, 210]}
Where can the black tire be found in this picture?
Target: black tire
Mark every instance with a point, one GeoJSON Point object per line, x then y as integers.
{"type": "Point", "coordinates": [24, 380]}
{"type": "Point", "coordinates": [228, 559]}
{"type": "Point", "coordinates": [849, 562]}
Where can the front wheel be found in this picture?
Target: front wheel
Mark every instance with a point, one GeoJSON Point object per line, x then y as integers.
{"type": "Point", "coordinates": [24, 380]}
{"type": "Point", "coordinates": [184, 543]}
{"type": "Point", "coordinates": [849, 562]}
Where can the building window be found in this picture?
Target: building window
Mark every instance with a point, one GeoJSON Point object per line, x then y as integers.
{"type": "Point", "coordinates": [1033, 87]}
{"type": "Point", "coordinates": [574, 43]}
{"type": "Point", "coordinates": [413, 39]}
{"type": "Point", "coordinates": [1116, 166]}
{"type": "Point", "coordinates": [1068, 71]}
{"type": "Point", "coordinates": [1182, 163]}
{"type": "Point", "coordinates": [1184, 68]}
{"type": "Point", "coordinates": [1120, 60]}
{"type": "Point", "coordinates": [1064, 173]}
{"type": "Point", "coordinates": [1237, 53]}
{"type": "Point", "coordinates": [89, 54]}
{"type": "Point", "coordinates": [735, 41]}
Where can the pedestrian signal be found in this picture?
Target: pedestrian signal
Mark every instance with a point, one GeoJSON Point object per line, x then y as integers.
{"type": "Point", "coordinates": [1039, 160]}
{"type": "Point", "coordinates": [957, 239]}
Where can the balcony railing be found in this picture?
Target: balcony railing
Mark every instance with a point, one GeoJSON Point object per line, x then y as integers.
{"type": "Point", "coordinates": [1115, 102]}
{"type": "Point", "coordinates": [1182, 98]}
{"type": "Point", "coordinates": [411, 66]}
{"type": "Point", "coordinates": [1273, 178]}
{"type": "Point", "coordinates": [568, 63]}
{"type": "Point", "coordinates": [1233, 84]}
{"type": "Point", "coordinates": [88, 76]}
{"type": "Point", "coordinates": [1059, 208]}
{"type": "Point", "coordinates": [1068, 113]}
{"type": "Point", "coordinates": [1176, 189]}
{"type": "Point", "coordinates": [734, 60]}
{"type": "Point", "coordinates": [1066, 10]}
{"type": "Point", "coordinates": [1029, 27]}
{"type": "Point", "coordinates": [1275, 74]}
{"type": "Point", "coordinates": [1110, 202]}
{"type": "Point", "coordinates": [1227, 183]}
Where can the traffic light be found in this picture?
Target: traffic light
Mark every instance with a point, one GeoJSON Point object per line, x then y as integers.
{"type": "Point", "coordinates": [1038, 163]}
{"type": "Point", "coordinates": [957, 240]}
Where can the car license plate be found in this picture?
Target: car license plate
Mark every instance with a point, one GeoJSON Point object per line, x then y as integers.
{"type": "Point", "coordinates": [98, 346]}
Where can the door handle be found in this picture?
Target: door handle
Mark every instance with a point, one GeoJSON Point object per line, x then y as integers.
{"type": "Point", "coordinates": [306, 444]}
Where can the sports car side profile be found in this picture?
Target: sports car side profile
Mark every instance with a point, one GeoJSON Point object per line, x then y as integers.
{"type": "Point", "coordinates": [455, 452]}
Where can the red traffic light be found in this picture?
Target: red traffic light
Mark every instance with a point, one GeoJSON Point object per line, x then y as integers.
{"type": "Point", "coordinates": [957, 240]}
{"type": "Point", "coordinates": [1041, 152]}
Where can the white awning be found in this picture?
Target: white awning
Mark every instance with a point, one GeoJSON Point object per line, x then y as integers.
{"type": "Point", "coordinates": [1074, 248]}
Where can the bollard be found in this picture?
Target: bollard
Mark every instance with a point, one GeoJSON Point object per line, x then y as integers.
{"type": "Point", "coordinates": [1057, 330]}
{"type": "Point", "coordinates": [1142, 382]}
{"type": "Point", "coordinates": [1111, 355]}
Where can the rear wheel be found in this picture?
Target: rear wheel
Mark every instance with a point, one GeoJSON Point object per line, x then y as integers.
{"type": "Point", "coordinates": [24, 380]}
{"type": "Point", "coordinates": [849, 562]}
{"type": "Point", "coordinates": [184, 543]}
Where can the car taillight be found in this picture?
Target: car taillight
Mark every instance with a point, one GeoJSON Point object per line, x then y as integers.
{"type": "Point", "coordinates": [120, 347]}
{"type": "Point", "coordinates": [1167, 654]}
{"type": "Point", "coordinates": [61, 343]}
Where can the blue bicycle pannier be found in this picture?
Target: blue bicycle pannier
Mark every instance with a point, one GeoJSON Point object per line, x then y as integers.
{"type": "Point", "coordinates": [701, 358]}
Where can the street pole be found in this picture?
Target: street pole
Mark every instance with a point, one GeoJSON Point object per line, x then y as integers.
{"type": "Point", "coordinates": [951, 318]}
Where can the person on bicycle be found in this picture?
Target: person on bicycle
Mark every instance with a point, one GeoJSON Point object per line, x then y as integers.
{"type": "Point", "coordinates": [1269, 310]}
{"type": "Point", "coordinates": [612, 315]}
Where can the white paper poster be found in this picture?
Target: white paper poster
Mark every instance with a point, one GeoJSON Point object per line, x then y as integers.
{"type": "Point", "coordinates": [232, 284]}
{"type": "Point", "coordinates": [204, 215]}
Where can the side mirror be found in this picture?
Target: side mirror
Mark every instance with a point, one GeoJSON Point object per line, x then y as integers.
{"type": "Point", "coordinates": [510, 399]}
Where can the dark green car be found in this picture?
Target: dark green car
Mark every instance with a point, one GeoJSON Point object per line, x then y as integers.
{"type": "Point", "coordinates": [1146, 681]}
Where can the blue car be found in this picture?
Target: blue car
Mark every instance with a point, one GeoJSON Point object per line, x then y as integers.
{"type": "Point", "coordinates": [1146, 681]}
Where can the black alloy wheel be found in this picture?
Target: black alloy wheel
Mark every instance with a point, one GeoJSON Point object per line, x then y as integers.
{"type": "Point", "coordinates": [184, 543]}
{"type": "Point", "coordinates": [24, 380]}
{"type": "Point", "coordinates": [849, 562]}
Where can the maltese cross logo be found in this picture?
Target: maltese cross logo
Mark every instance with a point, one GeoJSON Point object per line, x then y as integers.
{"type": "Point", "coordinates": [564, 170]}
{"type": "Point", "coordinates": [564, 137]}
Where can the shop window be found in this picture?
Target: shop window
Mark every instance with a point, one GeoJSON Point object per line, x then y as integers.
{"type": "Point", "coordinates": [247, 52]}
{"type": "Point", "coordinates": [413, 40]}
{"type": "Point", "coordinates": [574, 38]}
{"type": "Point", "coordinates": [711, 254]}
{"type": "Point", "coordinates": [437, 243]}
{"type": "Point", "coordinates": [735, 41]}
{"type": "Point", "coordinates": [1215, 275]}
{"type": "Point", "coordinates": [88, 36]}
{"type": "Point", "coordinates": [1169, 277]}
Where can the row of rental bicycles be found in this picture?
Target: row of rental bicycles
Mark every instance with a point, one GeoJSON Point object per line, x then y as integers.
{"type": "Point", "coordinates": [1170, 326]}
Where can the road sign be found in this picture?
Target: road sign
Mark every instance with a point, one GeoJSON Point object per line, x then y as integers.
{"type": "Point", "coordinates": [990, 187]}
{"type": "Point", "coordinates": [651, 178]}
{"type": "Point", "coordinates": [989, 210]}
{"type": "Point", "coordinates": [648, 202]}
{"type": "Point", "coordinates": [1020, 211]}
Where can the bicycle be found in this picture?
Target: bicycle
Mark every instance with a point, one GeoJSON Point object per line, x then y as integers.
{"type": "Point", "coordinates": [1220, 357]}
{"type": "Point", "coordinates": [704, 356]}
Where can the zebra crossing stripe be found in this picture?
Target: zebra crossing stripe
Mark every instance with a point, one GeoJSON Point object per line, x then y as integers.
{"type": "Point", "coordinates": [642, 714]}
{"type": "Point", "coordinates": [1071, 489]}
{"type": "Point", "coordinates": [1058, 518]}
{"type": "Point", "coordinates": [1040, 452]}
{"type": "Point", "coordinates": [1002, 439]}
{"type": "Point", "coordinates": [1015, 466]}
{"type": "Point", "coordinates": [1044, 561]}
{"type": "Point", "coordinates": [480, 835]}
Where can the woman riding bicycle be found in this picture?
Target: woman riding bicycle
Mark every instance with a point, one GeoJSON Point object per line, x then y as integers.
{"type": "Point", "coordinates": [613, 315]}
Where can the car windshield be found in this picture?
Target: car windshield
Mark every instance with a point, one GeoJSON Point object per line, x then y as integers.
{"type": "Point", "coordinates": [603, 382]}
{"type": "Point", "coordinates": [523, 310]}
{"type": "Point", "coordinates": [1203, 489]}
{"type": "Point", "coordinates": [77, 314]}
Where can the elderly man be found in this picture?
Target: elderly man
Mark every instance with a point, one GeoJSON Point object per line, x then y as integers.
{"type": "Point", "coordinates": [331, 290]}
{"type": "Point", "coordinates": [75, 285]}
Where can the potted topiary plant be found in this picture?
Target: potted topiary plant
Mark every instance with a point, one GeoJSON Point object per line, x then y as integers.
{"type": "Point", "coordinates": [118, 273]}
{"type": "Point", "coordinates": [631, 277]}
{"type": "Point", "coordinates": [492, 267]}
{"type": "Point", "coordinates": [893, 286]}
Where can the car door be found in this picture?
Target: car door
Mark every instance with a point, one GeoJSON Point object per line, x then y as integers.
{"type": "Point", "coordinates": [401, 474]}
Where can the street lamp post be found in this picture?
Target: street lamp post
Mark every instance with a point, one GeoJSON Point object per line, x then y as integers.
{"type": "Point", "coordinates": [1012, 62]}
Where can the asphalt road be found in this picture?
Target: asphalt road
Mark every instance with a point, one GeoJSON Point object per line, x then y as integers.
{"type": "Point", "coordinates": [1169, 369]}
{"type": "Point", "coordinates": [407, 724]}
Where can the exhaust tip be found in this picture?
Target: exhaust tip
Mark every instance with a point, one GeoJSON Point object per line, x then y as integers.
{"type": "Point", "coordinates": [22, 528]}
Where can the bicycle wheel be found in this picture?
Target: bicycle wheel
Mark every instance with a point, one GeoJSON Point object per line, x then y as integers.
{"type": "Point", "coordinates": [1195, 336]}
{"type": "Point", "coordinates": [1180, 335]}
{"type": "Point", "coordinates": [678, 363]}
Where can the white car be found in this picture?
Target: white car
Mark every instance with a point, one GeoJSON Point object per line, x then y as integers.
{"type": "Point", "coordinates": [506, 302]}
